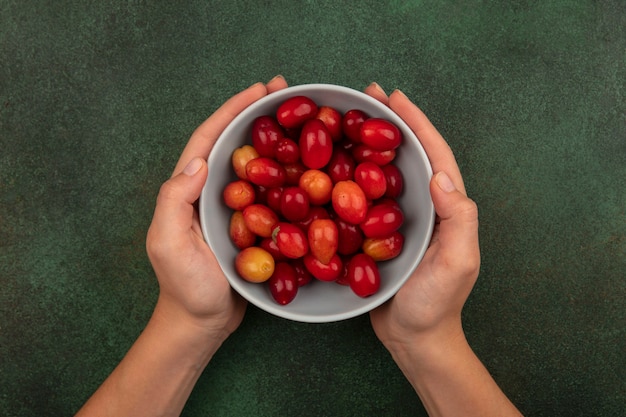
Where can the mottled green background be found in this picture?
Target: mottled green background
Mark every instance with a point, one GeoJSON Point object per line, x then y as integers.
{"type": "Point", "coordinates": [97, 99]}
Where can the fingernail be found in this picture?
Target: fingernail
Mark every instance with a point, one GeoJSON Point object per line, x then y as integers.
{"type": "Point", "coordinates": [255, 84]}
{"type": "Point", "coordinates": [192, 167]}
{"type": "Point", "coordinates": [398, 91]}
{"type": "Point", "coordinates": [444, 182]}
{"type": "Point", "coordinates": [278, 77]}
{"type": "Point", "coordinates": [378, 87]}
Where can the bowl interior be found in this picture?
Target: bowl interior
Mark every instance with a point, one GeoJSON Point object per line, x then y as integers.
{"type": "Point", "coordinates": [320, 301]}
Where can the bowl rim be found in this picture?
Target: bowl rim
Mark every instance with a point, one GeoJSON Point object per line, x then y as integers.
{"type": "Point", "coordinates": [239, 284]}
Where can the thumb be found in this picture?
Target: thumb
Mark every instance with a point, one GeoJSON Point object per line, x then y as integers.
{"type": "Point", "coordinates": [458, 222]}
{"type": "Point", "coordinates": [174, 210]}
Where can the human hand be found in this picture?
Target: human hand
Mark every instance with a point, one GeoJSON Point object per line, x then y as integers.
{"type": "Point", "coordinates": [429, 304]}
{"type": "Point", "coordinates": [196, 309]}
{"type": "Point", "coordinates": [193, 288]}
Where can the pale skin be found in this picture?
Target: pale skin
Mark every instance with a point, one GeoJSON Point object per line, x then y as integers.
{"type": "Point", "coordinates": [421, 325]}
{"type": "Point", "coordinates": [197, 310]}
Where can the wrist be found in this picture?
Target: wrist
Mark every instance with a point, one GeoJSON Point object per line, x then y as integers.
{"type": "Point", "coordinates": [207, 334]}
{"type": "Point", "coordinates": [427, 347]}
{"type": "Point", "coordinates": [160, 369]}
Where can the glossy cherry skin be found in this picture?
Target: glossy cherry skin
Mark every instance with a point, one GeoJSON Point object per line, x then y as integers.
{"type": "Point", "coordinates": [269, 245]}
{"type": "Point", "coordinates": [350, 237]}
{"type": "Point", "coordinates": [332, 118]}
{"type": "Point", "coordinates": [381, 220]}
{"type": "Point", "coordinates": [240, 158]}
{"type": "Point", "coordinates": [266, 132]}
{"type": "Point", "coordinates": [363, 275]}
{"type": "Point", "coordinates": [291, 240]}
{"type": "Point", "coordinates": [380, 134]}
{"type": "Point", "coordinates": [316, 144]}
{"type": "Point", "coordinates": [395, 181]}
{"type": "Point", "coordinates": [260, 219]}
{"type": "Point", "coordinates": [254, 264]}
{"type": "Point", "coordinates": [363, 153]}
{"type": "Point", "coordinates": [318, 186]}
{"type": "Point", "coordinates": [293, 172]}
{"type": "Point", "coordinates": [343, 277]}
{"type": "Point", "coordinates": [323, 239]}
{"type": "Point", "coordinates": [238, 194]}
{"type": "Point", "coordinates": [272, 198]}
{"type": "Point", "coordinates": [371, 178]}
{"type": "Point", "coordinates": [341, 165]}
{"type": "Point", "coordinates": [351, 124]}
{"type": "Point", "coordinates": [315, 212]}
{"type": "Point", "coordinates": [323, 272]}
{"type": "Point", "coordinates": [266, 172]}
{"type": "Point", "coordinates": [303, 275]}
{"type": "Point", "coordinates": [385, 248]}
{"type": "Point", "coordinates": [283, 283]}
{"type": "Point", "coordinates": [293, 112]}
{"type": "Point", "coordinates": [294, 204]}
{"type": "Point", "coordinates": [287, 151]}
{"type": "Point", "coordinates": [349, 202]}
{"type": "Point", "coordinates": [240, 235]}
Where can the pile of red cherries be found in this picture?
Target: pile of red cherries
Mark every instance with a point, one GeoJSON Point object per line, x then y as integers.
{"type": "Point", "coordinates": [316, 199]}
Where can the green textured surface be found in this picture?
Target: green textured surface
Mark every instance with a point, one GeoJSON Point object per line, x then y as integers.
{"type": "Point", "coordinates": [97, 99]}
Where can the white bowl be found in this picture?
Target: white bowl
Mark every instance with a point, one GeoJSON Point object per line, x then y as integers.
{"type": "Point", "coordinates": [320, 302]}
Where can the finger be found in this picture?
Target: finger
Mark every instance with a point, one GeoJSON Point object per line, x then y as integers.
{"type": "Point", "coordinates": [275, 84]}
{"type": "Point", "coordinates": [458, 226]}
{"type": "Point", "coordinates": [439, 153]}
{"type": "Point", "coordinates": [376, 91]}
{"type": "Point", "coordinates": [174, 211]}
{"type": "Point", "coordinates": [204, 137]}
